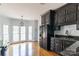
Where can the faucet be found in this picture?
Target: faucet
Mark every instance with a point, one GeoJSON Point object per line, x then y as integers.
{"type": "Point", "coordinates": [67, 33]}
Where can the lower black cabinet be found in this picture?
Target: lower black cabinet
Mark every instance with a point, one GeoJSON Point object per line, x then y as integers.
{"type": "Point", "coordinates": [66, 15]}
{"type": "Point", "coordinates": [52, 44]}
{"type": "Point", "coordinates": [58, 46]}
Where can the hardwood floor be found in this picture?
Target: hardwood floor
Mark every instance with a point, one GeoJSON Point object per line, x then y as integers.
{"type": "Point", "coordinates": [44, 52]}
{"type": "Point", "coordinates": [33, 49]}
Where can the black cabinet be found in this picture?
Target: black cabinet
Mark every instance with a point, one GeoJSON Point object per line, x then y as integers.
{"type": "Point", "coordinates": [70, 14]}
{"type": "Point", "coordinates": [52, 44]}
{"type": "Point", "coordinates": [71, 8]}
{"type": "Point", "coordinates": [66, 15]}
{"type": "Point", "coordinates": [58, 45]}
{"type": "Point", "coordinates": [56, 19]}
{"type": "Point", "coordinates": [77, 16]}
{"type": "Point", "coordinates": [48, 18]}
{"type": "Point", "coordinates": [71, 19]}
{"type": "Point", "coordinates": [60, 16]}
{"type": "Point", "coordinates": [78, 20]}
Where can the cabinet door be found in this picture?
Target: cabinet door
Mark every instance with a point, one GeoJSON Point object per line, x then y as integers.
{"type": "Point", "coordinates": [70, 8]}
{"type": "Point", "coordinates": [47, 18]}
{"type": "Point", "coordinates": [52, 44]}
{"type": "Point", "coordinates": [71, 18]}
{"type": "Point", "coordinates": [78, 17]}
{"type": "Point", "coordinates": [56, 19]}
{"type": "Point", "coordinates": [61, 16]}
{"type": "Point", "coordinates": [71, 14]}
{"type": "Point", "coordinates": [58, 45]}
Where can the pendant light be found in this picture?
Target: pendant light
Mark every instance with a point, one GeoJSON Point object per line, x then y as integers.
{"type": "Point", "coordinates": [21, 23]}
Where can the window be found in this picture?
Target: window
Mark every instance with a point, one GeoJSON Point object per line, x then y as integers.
{"type": "Point", "coordinates": [30, 49]}
{"type": "Point", "coordinates": [15, 33]}
{"type": "Point", "coordinates": [22, 33]}
{"type": "Point", "coordinates": [30, 32]}
{"type": "Point", "coordinates": [16, 50]}
{"type": "Point", "coordinates": [23, 49]}
{"type": "Point", "coordinates": [5, 34]}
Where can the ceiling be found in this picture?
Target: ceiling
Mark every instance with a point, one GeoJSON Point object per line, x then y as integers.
{"type": "Point", "coordinates": [30, 11]}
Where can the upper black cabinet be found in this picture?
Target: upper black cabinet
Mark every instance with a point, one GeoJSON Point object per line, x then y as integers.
{"type": "Point", "coordinates": [60, 17]}
{"type": "Point", "coordinates": [66, 15]}
{"type": "Point", "coordinates": [77, 16]}
{"type": "Point", "coordinates": [70, 8]}
{"type": "Point", "coordinates": [56, 19]}
{"type": "Point", "coordinates": [70, 14]}
{"type": "Point", "coordinates": [48, 18]}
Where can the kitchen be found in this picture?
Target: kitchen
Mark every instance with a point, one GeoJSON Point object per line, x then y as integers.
{"type": "Point", "coordinates": [60, 30]}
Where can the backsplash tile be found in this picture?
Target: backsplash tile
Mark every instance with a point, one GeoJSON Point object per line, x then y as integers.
{"type": "Point", "coordinates": [71, 29]}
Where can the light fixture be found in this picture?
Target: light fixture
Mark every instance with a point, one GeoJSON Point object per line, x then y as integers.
{"type": "Point", "coordinates": [21, 23]}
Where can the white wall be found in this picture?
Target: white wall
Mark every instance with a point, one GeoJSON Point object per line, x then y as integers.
{"type": "Point", "coordinates": [71, 28]}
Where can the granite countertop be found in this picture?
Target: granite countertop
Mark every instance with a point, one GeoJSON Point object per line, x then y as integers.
{"type": "Point", "coordinates": [68, 39]}
{"type": "Point", "coordinates": [63, 37]}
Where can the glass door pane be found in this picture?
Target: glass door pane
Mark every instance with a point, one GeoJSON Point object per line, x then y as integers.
{"type": "Point", "coordinates": [30, 32]}
{"type": "Point", "coordinates": [22, 33]}
{"type": "Point", "coordinates": [16, 50]}
{"type": "Point", "coordinates": [30, 49]}
{"type": "Point", "coordinates": [23, 45]}
{"type": "Point", "coordinates": [15, 33]}
{"type": "Point", "coordinates": [5, 35]}
{"type": "Point", "coordinates": [23, 49]}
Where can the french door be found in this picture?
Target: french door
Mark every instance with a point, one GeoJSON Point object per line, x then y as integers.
{"type": "Point", "coordinates": [18, 33]}
{"type": "Point", "coordinates": [22, 32]}
{"type": "Point", "coordinates": [5, 34]}
{"type": "Point", "coordinates": [30, 33]}
{"type": "Point", "coordinates": [15, 33]}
